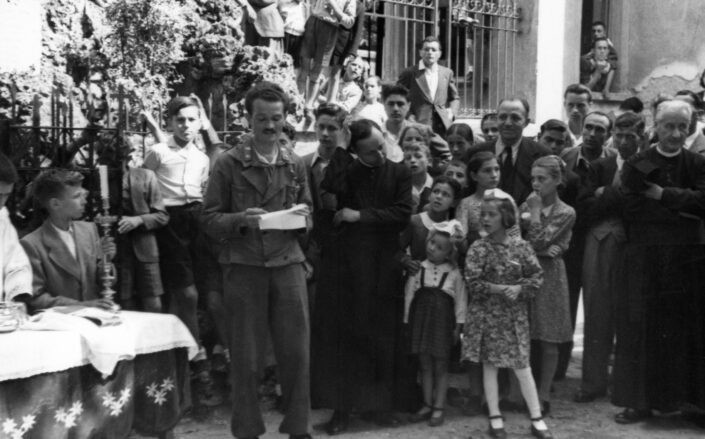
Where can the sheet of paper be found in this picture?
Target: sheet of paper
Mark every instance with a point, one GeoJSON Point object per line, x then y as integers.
{"type": "Point", "coordinates": [283, 219]}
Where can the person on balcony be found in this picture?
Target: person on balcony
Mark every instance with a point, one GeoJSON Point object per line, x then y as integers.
{"type": "Point", "coordinates": [596, 71]}
{"type": "Point", "coordinates": [432, 92]}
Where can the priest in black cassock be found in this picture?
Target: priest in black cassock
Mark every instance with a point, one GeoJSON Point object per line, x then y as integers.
{"type": "Point", "coordinates": [358, 306]}
{"type": "Point", "coordinates": [658, 319]}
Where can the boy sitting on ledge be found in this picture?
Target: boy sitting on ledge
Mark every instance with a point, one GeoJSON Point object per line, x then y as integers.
{"type": "Point", "coordinates": [65, 254]}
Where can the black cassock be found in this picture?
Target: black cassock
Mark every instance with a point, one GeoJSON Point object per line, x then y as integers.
{"type": "Point", "coordinates": [355, 323]}
{"type": "Point", "coordinates": [660, 362]}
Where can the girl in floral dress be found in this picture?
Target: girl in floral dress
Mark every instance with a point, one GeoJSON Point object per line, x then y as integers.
{"type": "Point", "coordinates": [547, 222]}
{"type": "Point", "coordinates": [502, 275]}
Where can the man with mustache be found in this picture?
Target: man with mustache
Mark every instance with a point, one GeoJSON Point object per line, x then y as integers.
{"type": "Point", "coordinates": [264, 280]}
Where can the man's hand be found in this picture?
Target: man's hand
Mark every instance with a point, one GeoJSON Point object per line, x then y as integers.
{"type": "Point", "coordinates": [99, 303]}
{"type": "Point", "coordinates": [304, 211]}
{"type": "Point", "coordinates": [553, 251]}
{"type": "Point", "coordinates": [205, 122]}
{"type": "Point", "coordinates": [346, 215]}
{"type": "Point", "coordinates": [411, 266]}
{"type": "Point", "coordinates": [108, 246]}
{"type": "Point", "coordinates": [252, 216]}
{"type": "Point", "coordinates": [654, 191]}
{"type": "Point", "coordinates": [599, 191]}
{"type": "Point", "coordinates": [129, 223]}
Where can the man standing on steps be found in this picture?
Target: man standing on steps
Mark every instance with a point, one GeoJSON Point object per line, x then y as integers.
{"type": "Point", "coordinates": [263, 276]}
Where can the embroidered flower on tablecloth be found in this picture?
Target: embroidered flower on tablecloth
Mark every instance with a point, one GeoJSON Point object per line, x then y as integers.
{"type": "Point", "coordinates": [70, 416]}
{"type": "Point", "coordinates": [14, 431]}
{"type": "Point", "coordinates": [159, 391]}
{"type": "Point", "coordinates": [116, 404]}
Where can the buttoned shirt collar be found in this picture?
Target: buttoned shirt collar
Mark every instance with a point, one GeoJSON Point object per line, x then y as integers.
{"type": "Point", "coordinates": [584, 161]}
{"type": "Point", "coordinates": [499, 149]}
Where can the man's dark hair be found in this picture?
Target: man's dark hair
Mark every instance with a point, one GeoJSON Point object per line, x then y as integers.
{"type": "Point", "coordinates": [553, 125]}
{"type": "Point", "coordinates": [395, 89]}
{"type": "Point", "coordinates": [266, 91]}
{"type": "Point", "coordinates": [333, 110]}
{"type": "Point", "coordinates": [597, 40]}
{"type": "Point", "coordinates": [431, 39]}
{"type": "Point", "coordinates": [603, 114]}
{"type": "Point", "coordinates": [486, 117]}
{"type": "Point", "coordinates": [632, 104]}
{"type": "Point", "coordinates": [630, 119]}
{"type": "Point", "coordinates": [361, 129]}
{"type": "Point", "coordinates": [8, 173]}
{"type": "Point", "coordinates": [578, 89]}
{"type": "Point", "coordinates": [523, 101]}
{"type": "Point", "coordinates": [52, 184]}
{"type": "Point", "coordinates": [697, 102]}
{"type": "Point", "coordinates": [599, 23]}
{"type": "Point", "coordinates": [175, 105]}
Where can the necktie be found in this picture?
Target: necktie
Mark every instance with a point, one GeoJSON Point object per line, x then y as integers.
{"type": "Point", "coordinates": [507, 164]}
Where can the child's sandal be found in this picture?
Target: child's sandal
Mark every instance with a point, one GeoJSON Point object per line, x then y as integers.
{"type": "Point", "coordinates": [497, 433]}
{"type": "Point", "coordinates": [436, 421]}
{"type": "Point", "coordinates": [540, 434]}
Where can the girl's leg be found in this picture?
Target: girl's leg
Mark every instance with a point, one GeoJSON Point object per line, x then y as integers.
{"type": "Point", "coordinates": [475, 391]}
{"type": "Point", "coordinates": [426, 366]}
{"type": "Point", "coordinates": [528, 390]}
{"type": "Point", "coordinates": [489, 382]}
{"type": "Point", "coordinates": [440, 378]}
{"type": "Point", "coordinates": [549, 363]}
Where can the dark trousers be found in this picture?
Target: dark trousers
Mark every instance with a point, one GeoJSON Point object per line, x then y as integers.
{"type": "Point", "coordinates": [601, 275]}
{"type": "Point", "coordinates": [574, 271]}
{"type": "Point", "coordinates": [263, 301]}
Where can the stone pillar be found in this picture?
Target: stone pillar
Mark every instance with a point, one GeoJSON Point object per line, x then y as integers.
{"type": "Point", "coordinates": [558, 57]}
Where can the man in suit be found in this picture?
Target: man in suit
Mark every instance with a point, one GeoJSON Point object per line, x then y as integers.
{"type": "Point", "coordinates": [515, 153]}
{"type": "Point", "coordinates": [578, 161]}
{"type": "Point", "coordinates": [432, 92]}
{"type": "Point", "coordinates": [65, 254]}
{"type": "Point", "coordinates": [604, 248]}
{"type": "Point", "coordinates": [143, 212]}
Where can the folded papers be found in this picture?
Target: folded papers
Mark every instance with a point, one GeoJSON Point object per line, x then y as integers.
{"type": "Point", "coordinates": [287, 219]}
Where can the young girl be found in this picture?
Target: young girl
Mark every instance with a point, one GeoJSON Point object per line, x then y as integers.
{"type": "Point", "coordinates": [460, 138]}
{"type": "Point", "coordinates": [370, 107]}
{"type": "Point", "coordinates": [484, 172]}
{"type": "Point", "coordinates": [547, 222]}
{"type": "Point", "coordinates": [434, 306]}
{"type": "Point", "coordinates": [415, 140]}
{"type": "Point", "coordinates": [502, 275]}
{"type": "Point", "coordinates": [444, 191]}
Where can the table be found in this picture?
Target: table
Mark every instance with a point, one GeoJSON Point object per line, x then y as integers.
{"type": "Point", "coordinates": [96, 382]}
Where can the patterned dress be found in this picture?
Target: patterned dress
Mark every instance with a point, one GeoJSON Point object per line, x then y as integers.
{"type": "Point", "coordinates": [550, 309]}
{"type": "Point", "coordinates": [497, 328]}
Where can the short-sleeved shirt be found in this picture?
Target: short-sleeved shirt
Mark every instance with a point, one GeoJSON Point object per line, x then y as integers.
{"type": "Point", "coordinates": [182, 173]}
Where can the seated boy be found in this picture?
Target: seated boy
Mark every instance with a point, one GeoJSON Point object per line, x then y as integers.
{"type": "Point", "coordinates": [65, 254]}
{"type": "Point", "coordinates": [15, 271]}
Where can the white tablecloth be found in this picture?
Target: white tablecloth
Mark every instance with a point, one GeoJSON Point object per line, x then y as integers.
{"type": "Point", "coordinates": [29, 352]}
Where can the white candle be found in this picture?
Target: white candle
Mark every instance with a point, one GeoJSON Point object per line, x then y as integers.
{"type": "Point", "coordinates": [103, 171]}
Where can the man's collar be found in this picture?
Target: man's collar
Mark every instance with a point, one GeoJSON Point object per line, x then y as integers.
{"type": "Point", "coordinates": [432, 69]}
{"type": "Point", "coordinates": [581, 157]}
{"type": "Point", "coordinates": [620, 162]}
{"type": "Point", "coordinates": [500, 144]}
{"type": "Point", "coordinates": [667, 154]}
{"type": "Point", "coordinates": [171, 143]}
{"type": "Point", "coordinates": [246, 153]}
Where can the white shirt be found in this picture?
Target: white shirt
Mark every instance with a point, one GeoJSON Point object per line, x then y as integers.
{"type": "Point", "coordinates": [620, 163]}
{"type": "Point", "coordinates": [499, 150]}
{"type": "Point", "coordinates": [67, 238]}
{"type": "Point", "coordinates": [15, 270]}
{"type": "Point", "coordinates": [454, 286]}
{"type": "Point", "coordinates": [182, 173]}
{"type": "Point", "coordinates": [431, 75]}
{"type": "Point", "coordinates": [265, 160]}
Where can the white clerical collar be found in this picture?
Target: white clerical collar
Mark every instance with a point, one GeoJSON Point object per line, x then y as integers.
{"type": "Point", "coordinates": [667, 154]}
{"type": "Point", "coordinates": [432, 69]}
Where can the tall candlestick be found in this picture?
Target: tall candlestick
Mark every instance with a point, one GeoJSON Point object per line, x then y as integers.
{"type": "Point", "coordinates": [104, 193]}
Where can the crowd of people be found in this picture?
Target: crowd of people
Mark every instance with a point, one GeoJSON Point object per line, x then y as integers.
{"type": "Point", "coordinates": [425, 245]}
